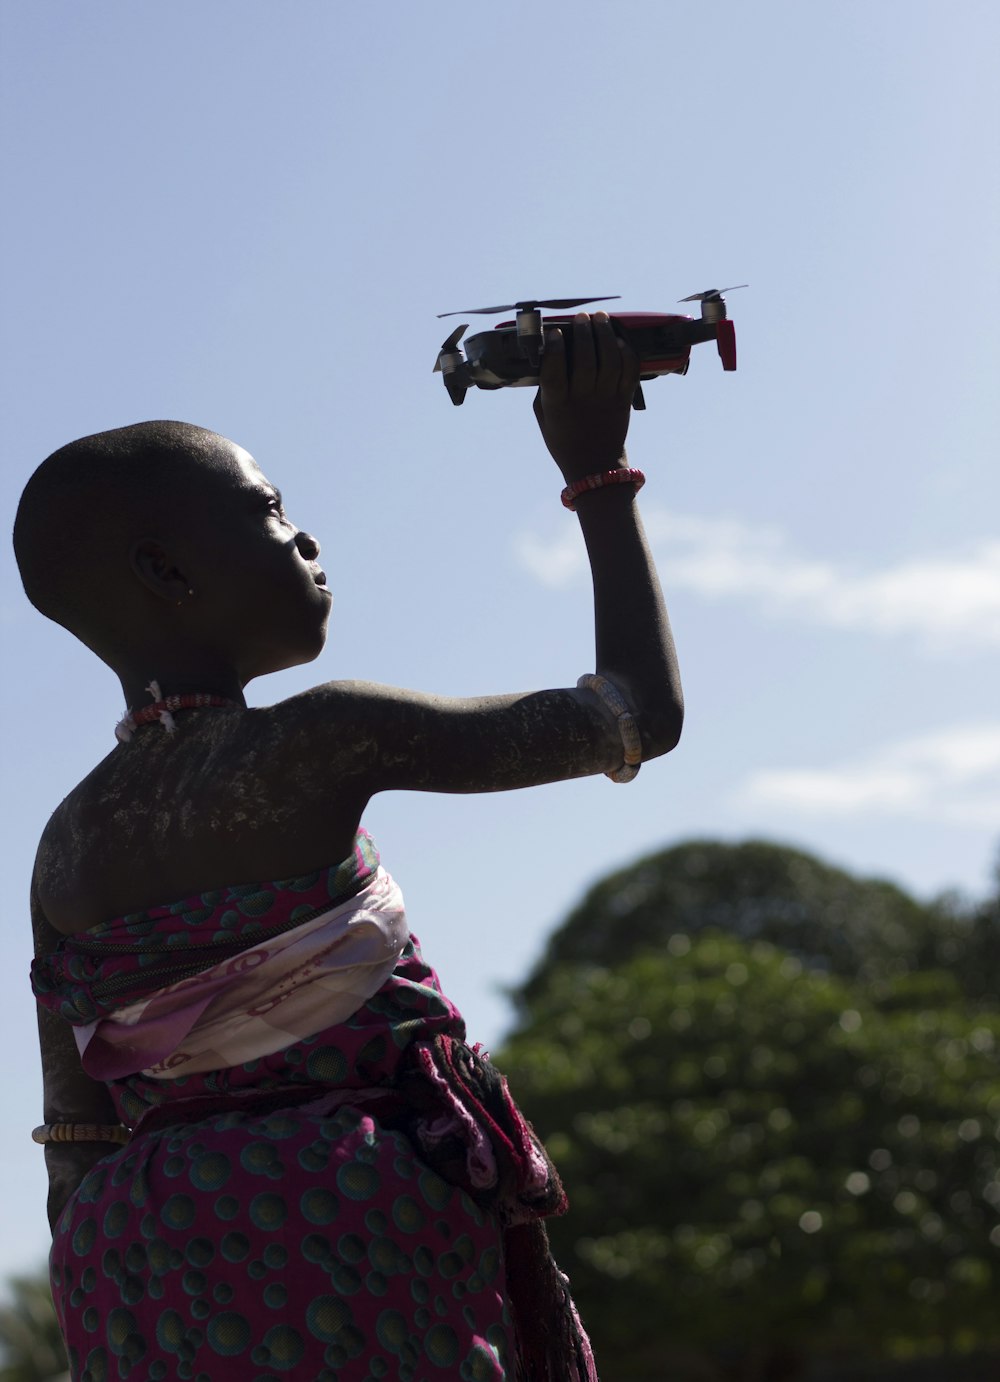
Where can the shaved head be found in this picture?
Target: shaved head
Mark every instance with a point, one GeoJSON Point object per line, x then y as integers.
{"type": "Point", "coordinates": [91, 501]}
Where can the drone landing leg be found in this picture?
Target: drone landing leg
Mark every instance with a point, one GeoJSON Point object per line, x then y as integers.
{"type": "Point", "coordinates": [639, 399]}
{"type": "Point", "coordinates": [726, 341]}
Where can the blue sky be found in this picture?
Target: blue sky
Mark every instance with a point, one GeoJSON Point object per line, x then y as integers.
{"type": "Point", "coordinates": [247, 215]}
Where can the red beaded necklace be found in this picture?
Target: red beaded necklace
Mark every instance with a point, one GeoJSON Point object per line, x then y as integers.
{"type": "Point", "coordinates": [162, 708]}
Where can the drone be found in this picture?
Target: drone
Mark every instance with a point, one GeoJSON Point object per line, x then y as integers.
{"type": "Point", "coordinates": [510, 355]}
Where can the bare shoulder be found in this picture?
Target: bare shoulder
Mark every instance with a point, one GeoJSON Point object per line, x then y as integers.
{"type": "Point", "coordinates": [268, 793]}
{"type": "Point", "coordinates": [224, 799]}
{"type": "Point", "coordinates": [71, 838]}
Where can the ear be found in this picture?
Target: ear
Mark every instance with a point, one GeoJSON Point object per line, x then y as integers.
{"type": "Point", "coordinates": [153, 564]}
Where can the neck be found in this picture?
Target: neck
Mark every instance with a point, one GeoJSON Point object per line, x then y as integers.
{"type": "Point", "coordinates": [175, 681]}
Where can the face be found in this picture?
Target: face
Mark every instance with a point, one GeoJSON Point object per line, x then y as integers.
{"type": "Point", "coordinates": [255, 573]}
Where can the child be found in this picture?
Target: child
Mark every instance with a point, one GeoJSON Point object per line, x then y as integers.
{"type": "Point", "coordinates": [270, 1150]}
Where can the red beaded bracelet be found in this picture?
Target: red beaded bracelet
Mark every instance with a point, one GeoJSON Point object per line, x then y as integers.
{"type": "Point", "coordinates": [624, 475]}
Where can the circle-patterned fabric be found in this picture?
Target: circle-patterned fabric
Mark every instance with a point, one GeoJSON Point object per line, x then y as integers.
{"type": "Point", "coordinates": [289, 1245]}
{"type": "Point", "coordinates": [294, 1244]}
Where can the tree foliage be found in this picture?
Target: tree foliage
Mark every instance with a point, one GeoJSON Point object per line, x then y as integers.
{"type": "Point", "coordinates": [31, 1347]}
{"type": "Point", "coordinates": [867, 929]}
{"type": "Point", "coordinates": [762, 1149]}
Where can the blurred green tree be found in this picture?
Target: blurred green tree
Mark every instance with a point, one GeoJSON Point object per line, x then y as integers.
{"type": "Point", "coordinates": [31, 1347]}
{"type": "Point", "coordinates": [978, 925]}
{"type": "Point", "coordinates": [867, 929]}
{"type": "Point", "coordinates": [767, 1160]}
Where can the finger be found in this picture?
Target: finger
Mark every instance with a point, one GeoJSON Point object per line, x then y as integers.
{"type": "Point", "coordinates": [629, 377]}
{"type": "Point", "coordinates": [584, 357]}
{"type": "Point", "coordinates": [552, 376]}
{"type": "Point", "coordinates": [608, 357]}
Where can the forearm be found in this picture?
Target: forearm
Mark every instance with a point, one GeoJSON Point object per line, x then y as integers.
{"type": "Point", "coordinates": [583, 415]}
{"type": "Point", "coordinates": [70, 1096]}
{"type": "Point", "coordinates": [634, 643]}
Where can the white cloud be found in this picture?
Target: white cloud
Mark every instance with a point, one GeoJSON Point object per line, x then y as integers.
{"type": "Point", "coordinates": [556, 563]}
{"type": "Point", "coordinates": [950, 775]}
{"type": "Point", "coordinates": [944, 599]}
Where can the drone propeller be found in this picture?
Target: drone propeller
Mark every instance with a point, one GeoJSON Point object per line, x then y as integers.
{"type": "Point", "coordinates": [528, 305]}
{"type": "Point", "coordinates": [449, 364]}
{"type": "Point", "coordinates": [711, 293]}
{"type": "Point", "coordinates": [449, 345]}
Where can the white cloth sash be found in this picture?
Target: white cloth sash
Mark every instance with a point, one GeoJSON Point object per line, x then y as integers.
{"type": "Point", "coordinates": [287, 987]}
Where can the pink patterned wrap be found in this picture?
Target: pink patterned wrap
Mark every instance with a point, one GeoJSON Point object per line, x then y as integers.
{"type": "Point", "coordinates": [290, 986]}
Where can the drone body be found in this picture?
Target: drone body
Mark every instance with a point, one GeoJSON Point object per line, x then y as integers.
{"type": "Point", "coordinates": [509, 356]}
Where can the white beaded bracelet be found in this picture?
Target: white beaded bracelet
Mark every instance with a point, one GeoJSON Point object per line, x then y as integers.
{"type": "Point", "coordinates": [625, 720]}
{"type": "Point", "coordinates": [49, 1133]}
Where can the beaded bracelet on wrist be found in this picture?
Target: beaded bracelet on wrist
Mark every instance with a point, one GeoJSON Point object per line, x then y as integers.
{"type": "Point", "coordinates": [49, 1133]}
{"type": "Point", "coordinates": [622, 475]}
{"type": "Point", "coordinates": [624, 719]}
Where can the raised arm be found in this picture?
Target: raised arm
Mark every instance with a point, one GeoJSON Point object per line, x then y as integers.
{"type": "Point", "coordinates": [371, 738]}
{"type": "Point", "coordinates": [583, 414]}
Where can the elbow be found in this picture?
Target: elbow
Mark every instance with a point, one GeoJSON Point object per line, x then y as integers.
{"type": "Point", "coordinates": [658, 707]}
{"type": "Point", "coordinates": [660, 727]}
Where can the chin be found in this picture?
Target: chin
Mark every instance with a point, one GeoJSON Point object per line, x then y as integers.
{"type": "Point", "coordinates": [286, 658]}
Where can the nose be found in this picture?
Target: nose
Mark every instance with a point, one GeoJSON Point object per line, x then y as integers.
{"type": "Point", "coordinates": [307, 545]}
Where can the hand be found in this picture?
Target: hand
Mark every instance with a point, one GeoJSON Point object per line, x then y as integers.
{"type": "Point", "coordinates": [583, 410]}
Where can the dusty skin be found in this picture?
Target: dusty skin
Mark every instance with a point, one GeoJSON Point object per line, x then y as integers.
{"type": "Point", "coordinates": [267, 793]}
